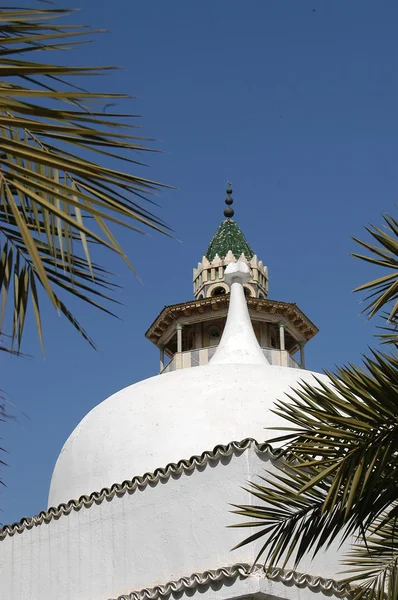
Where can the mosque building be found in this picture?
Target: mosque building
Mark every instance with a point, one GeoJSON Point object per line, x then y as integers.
{"type": "Point", "coordinates": [141, 493]}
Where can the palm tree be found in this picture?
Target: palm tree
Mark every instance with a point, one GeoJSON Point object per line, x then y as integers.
{"type": "Point", "coordinates": [338, 473]}
{"type": "Point", "coordinates": [57, 199]}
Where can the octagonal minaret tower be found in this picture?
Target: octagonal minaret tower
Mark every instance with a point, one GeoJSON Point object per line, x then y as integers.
{"type": "Point", "coordinates": [188, 334]}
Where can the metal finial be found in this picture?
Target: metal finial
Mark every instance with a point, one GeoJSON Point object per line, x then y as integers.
{"type": "Point", "coordinates": [229, 212]}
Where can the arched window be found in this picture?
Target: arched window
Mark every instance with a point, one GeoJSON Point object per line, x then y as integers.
{"type": "Point", "coordinates": [218, 291]}
{"type": "Point", "coordinates": [247, 291]}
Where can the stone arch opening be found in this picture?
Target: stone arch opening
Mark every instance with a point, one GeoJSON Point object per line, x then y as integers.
{"type": "Point", "coordinates": [218, 291]}
{"type": "Point", "coordinates": [248, 291]}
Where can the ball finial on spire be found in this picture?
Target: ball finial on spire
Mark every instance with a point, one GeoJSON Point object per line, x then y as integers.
{"type": "Point", "coordinates": [229, 212]}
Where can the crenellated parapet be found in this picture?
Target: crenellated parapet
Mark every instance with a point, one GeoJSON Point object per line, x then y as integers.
{"type": "Point", "coordinates": [208, 276]}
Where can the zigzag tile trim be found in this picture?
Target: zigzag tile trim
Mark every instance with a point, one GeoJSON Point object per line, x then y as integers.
{"type": "Point", "coordinates": [138, 482]}
{"type": "Point", "coordinates": [241, 571]}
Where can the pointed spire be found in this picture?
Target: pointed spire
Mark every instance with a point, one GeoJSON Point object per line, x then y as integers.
{"type": "Point", "coordinates": [228, 235]}
{"type": "Point", "coordinates": [229, 212]}
{"type": "Point", "coordinates": [238, 344]}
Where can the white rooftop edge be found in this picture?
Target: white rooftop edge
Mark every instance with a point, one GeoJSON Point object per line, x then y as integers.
{"type": "Point", "coordinates": [238, 344]}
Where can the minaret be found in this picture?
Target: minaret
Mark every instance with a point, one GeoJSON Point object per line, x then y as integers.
{"type": "Point", "coordinates": [189, 333]}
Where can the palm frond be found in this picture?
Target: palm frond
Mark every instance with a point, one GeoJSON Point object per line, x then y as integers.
{"type": "Point", "coordinates": [56, 202]}
{"type": "Point", "coordinates": [338, 472]}
{"type": "Point", "coordinates": [374, 562]}
{"type": "Point", "coordinates": [389, 329]}
{"type": "Point", "coordinates": [382, 291]}
{"type": "Point", "coordinates": [353, 426]}
{"type": "Point", "coordinates": [289, 519]}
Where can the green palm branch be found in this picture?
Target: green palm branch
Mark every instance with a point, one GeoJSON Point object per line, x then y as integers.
{"type": "Point", "coordinates": [57, 198]}
{"type": "Point", "coordinates": [388, 331]}
{"type": "Point", "coordinates": [376, 559]}
{"type": "Point", "coordinates": [338, 475]}
{"type": "Point", "coordinates": [383, 290]}
{"type": "Point", "coordinates": [350, 431]}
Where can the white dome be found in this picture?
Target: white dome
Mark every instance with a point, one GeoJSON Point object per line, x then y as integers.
{"type": "Point", "coordinates": [168, 418]}
{"type": "Point", "coordinates": [174, 416]}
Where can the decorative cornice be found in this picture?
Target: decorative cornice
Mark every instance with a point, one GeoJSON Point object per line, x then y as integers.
{"type": "Point", "coordinates": [194, 581]}
{"type": "Point", "coordinates": [316, 583]}
{"type": "Point", "coordinates": [241, 571]}
{"type": "Point", "coordinates": [289, 311]}
{"type": "Point", "coordinates": [139, 482]}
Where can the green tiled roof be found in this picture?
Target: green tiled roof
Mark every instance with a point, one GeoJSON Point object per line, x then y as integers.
{"type": "Point", "coordinates": [228, 237]}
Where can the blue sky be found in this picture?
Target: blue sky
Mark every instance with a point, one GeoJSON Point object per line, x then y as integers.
{"type": "Point", "coordinates": [293, 101]}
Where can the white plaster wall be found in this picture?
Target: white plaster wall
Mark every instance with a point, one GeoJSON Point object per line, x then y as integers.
{"type": "Point", "coordinates": [149, 537]}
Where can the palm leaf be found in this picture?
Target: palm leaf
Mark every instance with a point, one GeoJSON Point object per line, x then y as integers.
{"type": "Point", "coordinates": [353, 426]}
{"type": "Point", "coordinates": [382, 291]}
{"type": "Point", "coordinates": [337, 475]}
{"type": "Point", "coordinates": [56, 202]}
{"type": "Point", "coordinates": [374, 562]}
{"type": "Point", "coordinates": [389, 329]}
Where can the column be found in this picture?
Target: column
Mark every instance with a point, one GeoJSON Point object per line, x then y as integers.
{"type": "Point", "coordinates": [179, 337]}
{"type": "Point", "coordinates": [302, 355]}
{"type": "Point", "coordinates": [282, 335]}
{"type": "Point", "coordinates": [161, 350]}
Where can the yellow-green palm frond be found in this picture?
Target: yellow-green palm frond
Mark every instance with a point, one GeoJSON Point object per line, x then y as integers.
{"type": "Point", "coordinates": [287, 519]}
{"type": "Point", "coordinates": [350, 430]}
{"type": "Point", "coordinates": [374, 561]}
{"type": "Point", "coordinates": [383, 290]}
{"type": "Point", "coordinates": [58, 197]}
{"type": "Point", "coordinates": [389, 331]}
{"type": "Point", "coordinates": [337, 475]}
